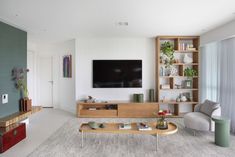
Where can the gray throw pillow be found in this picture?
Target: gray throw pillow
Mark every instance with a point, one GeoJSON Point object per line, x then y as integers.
{"type": "Point", "coordinates": [208, 107]}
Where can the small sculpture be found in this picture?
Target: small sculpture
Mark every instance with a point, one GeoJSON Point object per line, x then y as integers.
{"type": "Point", "coordinates": [90, 99]}
{"type": "Point", "coordinates": [187, 59]}
{"type": "Point", "coordinates": [183, 98]}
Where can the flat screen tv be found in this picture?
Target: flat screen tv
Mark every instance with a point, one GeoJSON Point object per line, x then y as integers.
{"type": "Point", "coordinates": [117, 73]}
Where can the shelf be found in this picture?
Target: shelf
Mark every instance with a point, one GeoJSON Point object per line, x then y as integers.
{"type": "Point", "coordinates": [186, 51]}
{"type": "Point", "coordinates": [184, 89]}
{"type": "Point", "coordinates": [181, 64]}
{"type": "Point", "coordinates": [174, 102]}
{"type": "Point", "coordinates": [177, 76]}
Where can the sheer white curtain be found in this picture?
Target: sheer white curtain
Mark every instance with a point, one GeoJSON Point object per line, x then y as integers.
{"type": "Point", "coordinates": [209, 72]}
{"type": "Point", "coordinates": [218, 76]}
{"type": "Point", "coordinates": [227, 79]}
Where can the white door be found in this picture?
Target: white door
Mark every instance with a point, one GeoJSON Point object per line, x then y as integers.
{"type": "Point", "coordinates": [46, 81]}
{"type": "Point", "coordinates": [31, 79]}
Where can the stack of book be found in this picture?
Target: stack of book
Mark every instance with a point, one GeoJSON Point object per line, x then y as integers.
{"type": "Point", "coordinates": [143, 127]}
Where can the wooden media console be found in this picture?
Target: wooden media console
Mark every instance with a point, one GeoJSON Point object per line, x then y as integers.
{"type": "Point", "coordinates": [117, 109]}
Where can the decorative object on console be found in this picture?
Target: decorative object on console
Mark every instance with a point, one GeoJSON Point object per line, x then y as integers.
{"type": "Point", "coordinates": [167, 55]}
{"type": "Point", "coordinates": [187, 59]}
{"type": "Point", "coordinates": [151, 95]}
{"type": "Point", "coordinates": [162, 122]}
{"type": "Point", "coordinates": [19, 77]}
{"type": "Point", "coordinates": [90, 99]}
{"type": "Point", "coordinates": [138, 97]}
{"type": "Point", "coordinates": [67, 66]}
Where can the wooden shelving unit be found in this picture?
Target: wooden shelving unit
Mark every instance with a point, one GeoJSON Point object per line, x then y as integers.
{"type": "Point", "coordinates": [181, 48]}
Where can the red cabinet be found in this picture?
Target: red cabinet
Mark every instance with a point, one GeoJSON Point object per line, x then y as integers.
{"type": "Point", "coordinates": [11, 135]}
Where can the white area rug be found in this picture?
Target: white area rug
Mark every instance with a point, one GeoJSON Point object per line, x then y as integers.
{"type": "Point", "coordinates": [66, 141]}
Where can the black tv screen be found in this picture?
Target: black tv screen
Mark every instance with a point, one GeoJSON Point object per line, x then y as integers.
{"type": "Point", "coordinates": [117, 73]}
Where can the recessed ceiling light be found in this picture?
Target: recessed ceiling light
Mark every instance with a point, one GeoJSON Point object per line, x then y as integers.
{"type": "Point", "coordinates": [123, 23]}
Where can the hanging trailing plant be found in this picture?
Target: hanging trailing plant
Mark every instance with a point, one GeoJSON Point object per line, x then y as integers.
{"type": "Point", "coordinates": [19, 77]}
{"type": "Point", "coordinates": [167, 50]}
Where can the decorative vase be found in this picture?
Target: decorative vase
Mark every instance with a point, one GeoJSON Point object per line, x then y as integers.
{"type": "Point", "coordinates": [151, 95]}
{"type": "Point", "coordinates": [138, 98]}
{"type": "Point", "coordinates": [162, 123]}
{"type": "Point", "coordinates": [25, 105]}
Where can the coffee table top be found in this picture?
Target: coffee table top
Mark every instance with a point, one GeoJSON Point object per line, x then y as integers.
{"type": "Point", "coordinates": [114, 128]}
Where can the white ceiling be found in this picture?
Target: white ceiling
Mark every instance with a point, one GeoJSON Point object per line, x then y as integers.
{"type": "Point", "coordinates": [57, 20]}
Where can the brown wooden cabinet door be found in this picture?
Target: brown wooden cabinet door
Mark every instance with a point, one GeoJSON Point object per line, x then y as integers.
{"type": "Point", "coordinates": [137, 110]}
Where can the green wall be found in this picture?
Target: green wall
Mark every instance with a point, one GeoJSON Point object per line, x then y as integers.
{"type": "Point", "coordinates": [13, 53]}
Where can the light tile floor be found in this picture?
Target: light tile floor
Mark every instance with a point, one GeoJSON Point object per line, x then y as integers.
{"type": "Point", "coordinates": [41, 126]}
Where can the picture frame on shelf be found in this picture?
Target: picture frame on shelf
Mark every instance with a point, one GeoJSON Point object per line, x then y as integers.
{"type": "Point", "coordinates": [188, 84]}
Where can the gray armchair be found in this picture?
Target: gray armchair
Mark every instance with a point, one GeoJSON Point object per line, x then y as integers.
{"type": "Point", "coordinates": [200, 119]}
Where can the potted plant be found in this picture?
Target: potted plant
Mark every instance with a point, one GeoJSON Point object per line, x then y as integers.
{"type": "Point", "coordinates": [162, 122]}
{"type": "Point", "coordinates": [167, 56]}
{"type": "Point", "coordinates": [19, 78]}
{"type": "Point", "coordinates": [190, 73]}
